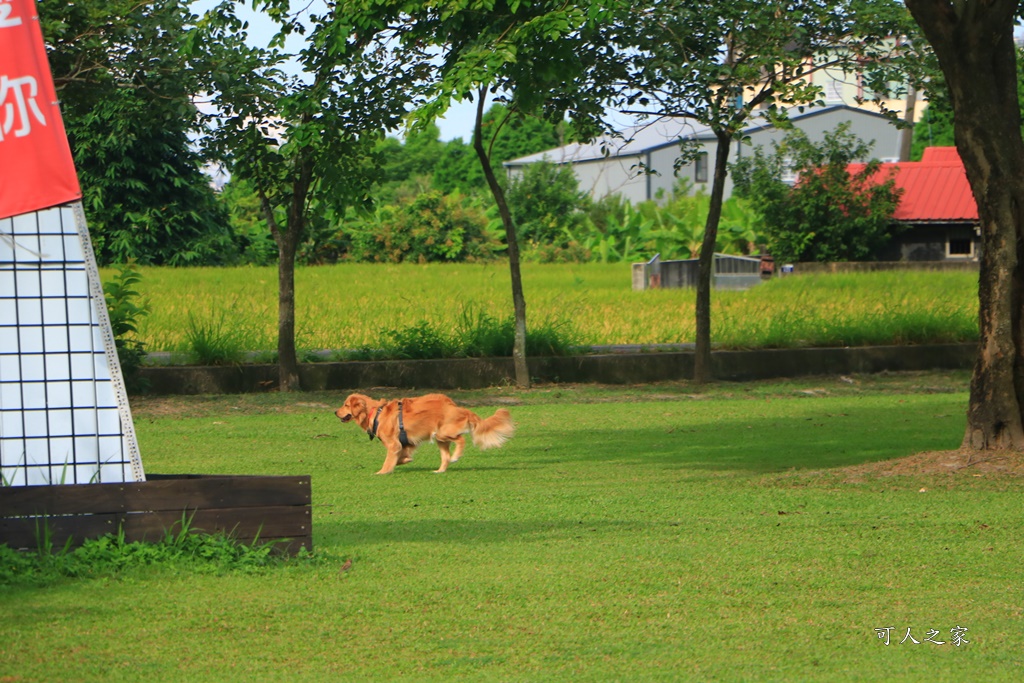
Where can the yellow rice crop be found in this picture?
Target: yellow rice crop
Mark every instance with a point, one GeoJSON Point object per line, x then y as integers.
{"type": "Point", "coordinates": [347, 306]}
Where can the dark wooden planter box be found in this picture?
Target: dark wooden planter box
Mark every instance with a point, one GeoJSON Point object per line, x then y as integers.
{"type": "Point", "coordinates": [244, 507]}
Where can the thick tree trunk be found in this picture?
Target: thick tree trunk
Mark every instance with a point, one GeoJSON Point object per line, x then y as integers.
{"type": "Point", "coordinates": [974, 44]}
{"type": "Point", "coordinates": [522, 370]}
{"type": "Point", "coordinates": [702, 355]}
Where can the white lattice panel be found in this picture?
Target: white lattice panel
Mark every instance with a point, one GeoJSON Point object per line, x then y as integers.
{"type": "Point", "coordinates": [64, 415]}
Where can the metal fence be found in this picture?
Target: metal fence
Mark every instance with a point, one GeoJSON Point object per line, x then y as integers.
{"type": "Point", "coordinates": [729, 272]}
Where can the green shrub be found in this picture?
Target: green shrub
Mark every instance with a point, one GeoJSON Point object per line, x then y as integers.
{"type": "Point", "coordinates": [248, 224]}
{"type": "Point", "coordinates": [125, 312]}
{"type": "Point", "coordinates": [432, 227]}
{"type": "Point", "coordinates": [615, 231]}
{"type": "Point", "coordinates": [567, 251]}
{"type": "Point", "coordinates": [831, 214]}
{"type": "Point", "coordinates": [546, 203]}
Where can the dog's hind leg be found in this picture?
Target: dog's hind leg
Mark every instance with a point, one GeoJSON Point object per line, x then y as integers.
{"type": "Point", "coordinates": [446, 457]}
{"type": "Point", "coordinates": [460, 445]}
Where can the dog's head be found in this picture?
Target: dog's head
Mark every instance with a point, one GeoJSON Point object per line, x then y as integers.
{"type": "Point", "coordinates": [354, 408]}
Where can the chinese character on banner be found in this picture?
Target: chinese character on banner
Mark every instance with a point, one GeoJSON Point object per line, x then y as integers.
{"type": "Point", "coordinates": [36, 169]}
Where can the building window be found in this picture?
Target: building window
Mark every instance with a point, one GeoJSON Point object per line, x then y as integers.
{"type": "Point", "coordinates": [833, 91]}
{"type": "Point", "coordinates": [789, 174]}
{"type": "Point", "coordinates": [960, 247]}
{"type": "Point", "coordinates": [700, 172]}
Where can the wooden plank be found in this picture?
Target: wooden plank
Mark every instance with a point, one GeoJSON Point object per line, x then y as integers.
{"type": "Point", "coordinates": [27, 532]}
{"type": "Point", "coordinates": [243, 524]}
{"type": "Point", "coordinates": [175, 493]}
{"type": "Point", "coordinates": [247, 507]}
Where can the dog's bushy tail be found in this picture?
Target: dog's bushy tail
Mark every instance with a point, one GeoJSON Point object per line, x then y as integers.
{"type": "Point", "coordinates": [493, 431]}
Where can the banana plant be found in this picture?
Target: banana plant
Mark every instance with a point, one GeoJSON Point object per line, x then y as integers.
{"type": "Point", "coordinates": [739, 227]}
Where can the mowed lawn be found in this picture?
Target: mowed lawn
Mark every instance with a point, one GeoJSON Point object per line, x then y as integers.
{"type": "Point", "coordinates": [634, 534]}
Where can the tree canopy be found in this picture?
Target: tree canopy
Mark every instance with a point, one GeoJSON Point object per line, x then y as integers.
{"type": "Point", "coordinates": [720, 64]}
{"type": "Point", "coordinates": [935, 127]}
{"type": "Point", "coordinates": [533, 56]}
{"type": "Point", "coordinates": [452, 166]}
{"type": "Point", "coordinates": [125, 90]}
{"type": "Point", "coordinates": [300, 128]}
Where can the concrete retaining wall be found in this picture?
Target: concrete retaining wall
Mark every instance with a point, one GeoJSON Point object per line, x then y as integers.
{"type": "Point", "coordinates": [809, 267]}
{"type": "Point", "coordinates": [611, 368]}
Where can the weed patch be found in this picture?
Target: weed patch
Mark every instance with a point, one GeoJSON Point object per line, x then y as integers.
{"type": "Point", "coordinates": [179, 549]}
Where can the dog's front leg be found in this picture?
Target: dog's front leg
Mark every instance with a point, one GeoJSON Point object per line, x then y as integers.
{"type": "Point", "coordinates": [394, 450]}
{"type": "Point", "coordinates": [446, 457]}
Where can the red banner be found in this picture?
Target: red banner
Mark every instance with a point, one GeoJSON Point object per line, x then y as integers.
{"type": "Point", "coordinates": [36, 169]}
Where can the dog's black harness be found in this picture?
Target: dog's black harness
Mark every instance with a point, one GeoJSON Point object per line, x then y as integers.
{"type": "Point", "coordinates": [403, 438]}
{"type": "Point", "coordinates": [373, 430]}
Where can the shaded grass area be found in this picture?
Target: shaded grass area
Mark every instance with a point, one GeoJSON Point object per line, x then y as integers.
{"type": "Point", "coordinates": [357, 306]}
{"type": "Point", "coordinates": [642, 534]}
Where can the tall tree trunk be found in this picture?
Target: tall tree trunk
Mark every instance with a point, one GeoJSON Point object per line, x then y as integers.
{"type": "Point", "coordinates": [522, 370]}
{"type": "Point", "coordinates": [288, 240]}
{"type": "Point", "coordinates": [287, 359]}
{"type": "Point", "coordinates": [907, 134]}
{"type": "Point", "coordinates": [974, 44]}
{"type": "Point", "coordinates": [702, 355]}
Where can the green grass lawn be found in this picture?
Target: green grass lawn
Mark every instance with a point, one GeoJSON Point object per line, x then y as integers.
{"type": "Point", "coordinates": [635, 534]}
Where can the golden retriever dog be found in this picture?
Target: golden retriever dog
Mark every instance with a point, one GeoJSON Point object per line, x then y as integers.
{"type": "Point", "coordinates": [402, 425]}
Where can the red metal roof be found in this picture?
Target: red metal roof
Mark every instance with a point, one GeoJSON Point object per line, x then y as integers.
{"type": "Point", "coordinates": [934, 189]}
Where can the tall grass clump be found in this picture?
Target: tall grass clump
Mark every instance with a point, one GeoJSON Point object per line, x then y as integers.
{"type": "Point", "coordinates": [474, 334]}
{"type": "Point", "coordinates": [225, 335]}
{"type": "Point", "coordinates": [213, 341]}
{"type": "Point", "coordinates": [553, 335]}
{"type": "Point", "coordinates": [419, 341]}
{"type": "Point", "coordinates": [482, 334]}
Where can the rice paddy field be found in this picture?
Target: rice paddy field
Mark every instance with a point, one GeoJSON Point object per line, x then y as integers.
{"type": "Point", "coordinates": [347, 306]}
